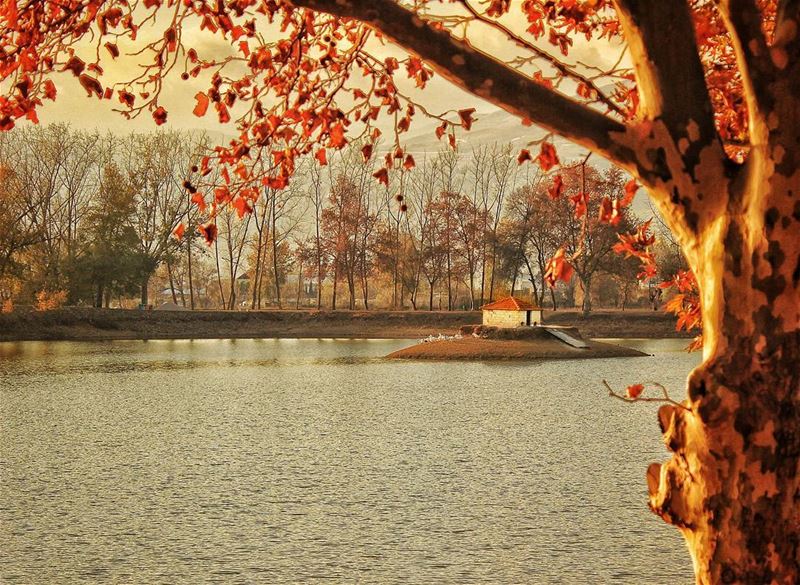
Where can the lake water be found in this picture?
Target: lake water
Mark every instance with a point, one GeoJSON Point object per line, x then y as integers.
{"type": "Point", "coordinates": [317, 461]}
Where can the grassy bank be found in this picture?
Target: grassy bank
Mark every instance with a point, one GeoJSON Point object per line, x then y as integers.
{"type": "Point", "coordinates": [72, 323]}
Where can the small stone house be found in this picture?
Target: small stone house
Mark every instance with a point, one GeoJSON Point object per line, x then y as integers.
{"type": "Point", "coordinates": [511, 312]}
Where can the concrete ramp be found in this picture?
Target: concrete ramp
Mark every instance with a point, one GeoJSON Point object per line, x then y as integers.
{"type": "Point", "coordinates": [566, 338]}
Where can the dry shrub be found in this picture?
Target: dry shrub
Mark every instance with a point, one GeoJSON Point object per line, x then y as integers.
{"type": "Point", "coordinates": [7, 306]}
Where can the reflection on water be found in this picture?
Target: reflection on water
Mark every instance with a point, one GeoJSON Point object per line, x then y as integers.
{"type": "Point", "coordinates": [301, 461]}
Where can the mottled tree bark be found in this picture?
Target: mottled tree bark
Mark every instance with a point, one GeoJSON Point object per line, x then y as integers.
{"type": "Point", "coordinates": [733, 484]}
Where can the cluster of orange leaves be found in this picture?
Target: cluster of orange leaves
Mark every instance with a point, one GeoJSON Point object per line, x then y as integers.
{"type": "Point", "coordinates": [610, 211]}
{"type": "Point", "coordinates": [685, 305]}
{"type": "Point", "coordinates": [49, 300]}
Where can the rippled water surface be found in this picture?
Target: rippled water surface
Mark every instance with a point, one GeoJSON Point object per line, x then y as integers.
{"type": "Point", "coordinates": [305, 461]}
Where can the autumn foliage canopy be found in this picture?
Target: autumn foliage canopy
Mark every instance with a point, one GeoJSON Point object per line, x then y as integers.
{"type": "Point", "coordinates": [303, 79]}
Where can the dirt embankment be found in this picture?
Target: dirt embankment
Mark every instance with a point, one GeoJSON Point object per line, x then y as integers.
{"type": "Point", "coordinates": [635, 323]}
{"type": "Point", "coordinates": [89, 324]}
{"type": "Point", "coordinates": [74, 323]}
{"type": "Point", "coordinates": [491, 343]}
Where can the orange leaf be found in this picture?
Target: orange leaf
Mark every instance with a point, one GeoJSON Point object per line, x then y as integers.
{"type": "Point", "coordinates": [634, 391]}
{"type": "Point", "coordinates": [337, 136]}
{"type": "Point", "coordinates": [209, 232]}
{"type": "Point", "coordinates": [630, 191]}
{"type": "Point", "coordinates": [366, 152]}
{"type": "Point", "coordinates": [557, 189]}
{"type": "Point", "coordinates": [91, 85]}
{"type": "Point", "coordinates": [126, 97]}
{"type": "Point", "coordinates": [112, 49]}
{"type": "Point", "coordinates": [178, 231]}
{"type": "Point", "coordinates": [160, 115]}
{"type": "Point", "coordinates": [222, 113]}
{"type": "Point", "coordinates": [581, 202]}
{"type": "Point", "coordinates": [383, 176]}
{"type": "Point", "coordinates": [322, 157]}
{"type": "Point", "coordinates": [242, 206]}
{"type": "Point", "coordinates": [466, 117]}
{"type": "Point", "coordinates": [75, 65]}
{"type": "Point", "coordinates": [49, 89]}
{"type": "Point", "coordinates": [201, 107]}
{"type": "Point", "coordinates": [547, 156]}
{"type": "Point", "coordinates": [609, 211]}
{"type": "Point", "coordinates": [200, 201]}
{"type": "Point", "coordinates": [557, 269]}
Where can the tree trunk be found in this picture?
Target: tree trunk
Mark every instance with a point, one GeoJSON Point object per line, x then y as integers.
{"type": "Point", "coordinates": [172, 283]}
{"type": "Point", "coordinates": [335, 286]}
{"type": "Point", "coordinates": [145, 284]}
{"type": "Point", "coordinates": [586, 285]}
{"type": "Point", "coordinates": [625, 293]}
{"type": "Point", "coordinates": [319, 270]}
{"type": "Point", "coordinates": [494, 263]}
{"type": "Point", "coordinates": [319, 284]}
{"type": "Point", "coordinates": [299, 285]}
{"type": "Point", "coordinates": [189, 269]}
{"type": "Point", "coordinates": [449, 285]}
{"type": "Point", "coordinates": [365, 289]}
{"type": "Point", "coordinates": [223, 302]}
{"type": "Point", "coordinates": [351, 288]}
{"type": "Point", "coordinates": [532, 279]}
{"type": "Point", "coordinates": [483, 271]}
{"type": "Point", "coordinates": [276, 276]}
{"type": "Point", "coordinates": [732, 486]}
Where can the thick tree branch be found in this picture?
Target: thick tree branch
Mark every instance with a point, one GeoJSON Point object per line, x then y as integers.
{"type": "Point", "coordinates": [669, 74]}
{"type": "Point", "coordinates": [471, 69]}
{"type": "Point", "coordinates": [743, 21]}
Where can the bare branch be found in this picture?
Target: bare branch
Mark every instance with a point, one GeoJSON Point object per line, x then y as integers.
{"type": "Point", "coordinates": [665, 396]}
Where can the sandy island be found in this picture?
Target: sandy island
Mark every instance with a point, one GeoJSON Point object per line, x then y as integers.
{"type": "Point", "coordinates": [491, 343]}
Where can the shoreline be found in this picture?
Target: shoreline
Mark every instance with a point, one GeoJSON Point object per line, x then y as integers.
{"type": "Point", "coordinates": [87, 324]}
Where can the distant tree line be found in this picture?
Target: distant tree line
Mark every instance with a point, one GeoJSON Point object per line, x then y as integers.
{"type": "Point", "coordinates": [92, 219]}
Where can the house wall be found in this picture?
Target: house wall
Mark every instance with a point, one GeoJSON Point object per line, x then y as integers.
{"type": "Point", "coordinates": [510, 318]}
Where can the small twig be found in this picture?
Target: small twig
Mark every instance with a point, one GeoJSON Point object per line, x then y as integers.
{"type": "Point", "coordinates": [641, 398]}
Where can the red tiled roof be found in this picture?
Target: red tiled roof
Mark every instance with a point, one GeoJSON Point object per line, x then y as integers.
{"type": "Point", "coordinates": [510, 304]}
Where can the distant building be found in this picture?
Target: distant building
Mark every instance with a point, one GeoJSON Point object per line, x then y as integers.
{"type": "Point", "coordinates": [511, 312]}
